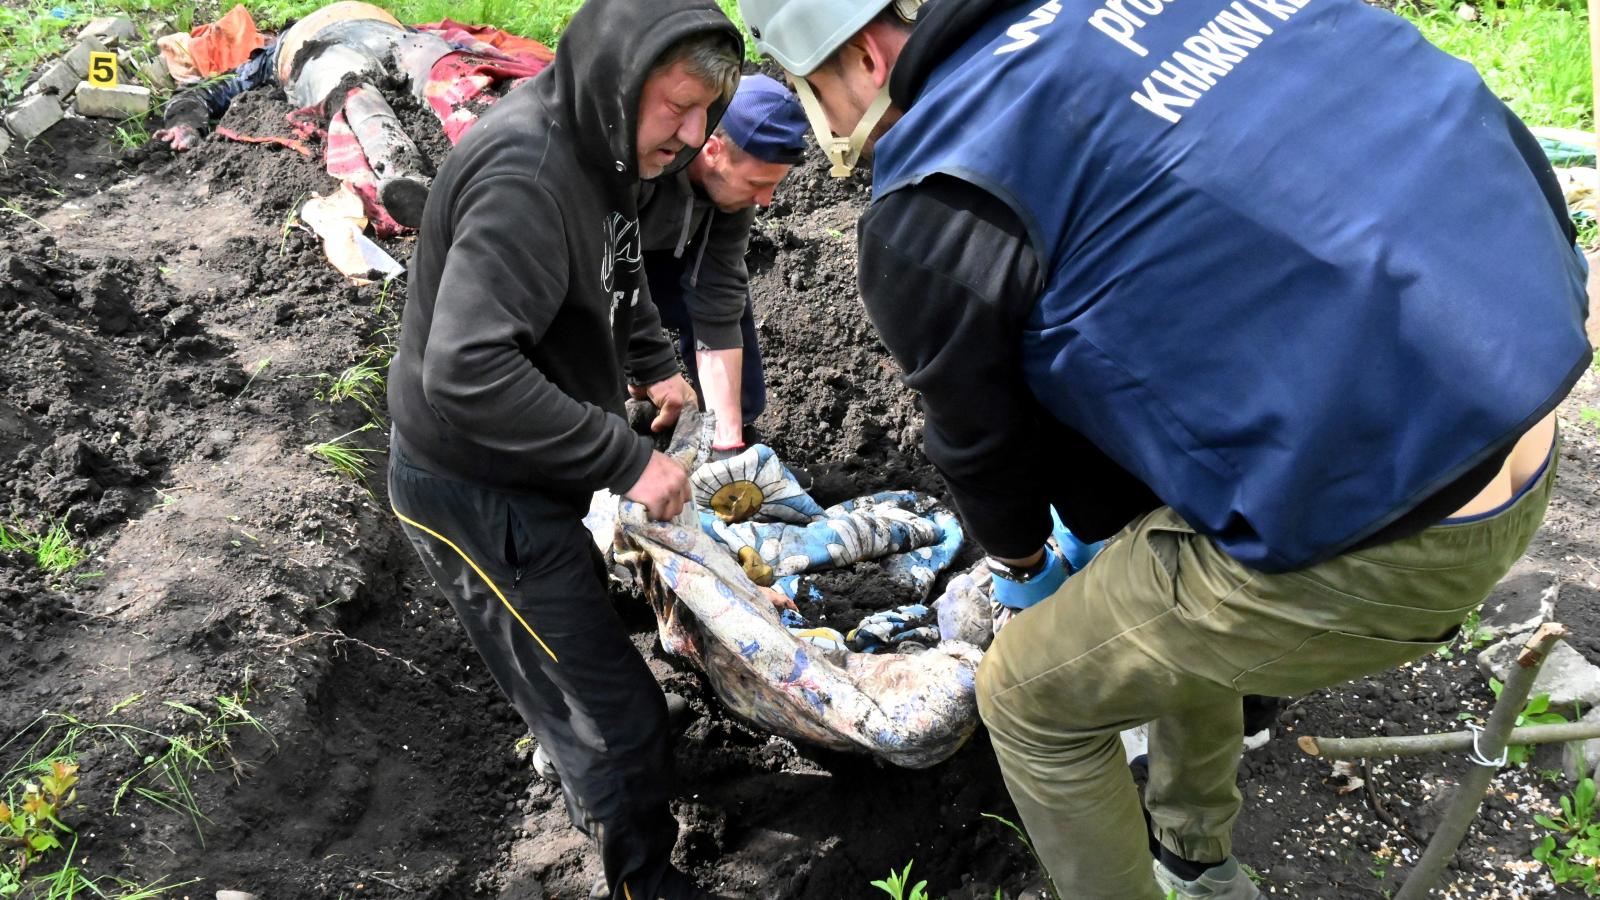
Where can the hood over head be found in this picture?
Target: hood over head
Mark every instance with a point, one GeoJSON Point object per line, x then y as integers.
{"type": "Point", "coordinates": [602, 61]}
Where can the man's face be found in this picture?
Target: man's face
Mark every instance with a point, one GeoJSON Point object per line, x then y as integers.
{"type": "Point", "coordinates": [735, 180]}
{"type": "Point", "coordinates": [673, 109]}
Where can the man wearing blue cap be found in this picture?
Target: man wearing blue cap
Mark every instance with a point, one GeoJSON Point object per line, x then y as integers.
{"type": "Point", "coordinates": [696, 228]}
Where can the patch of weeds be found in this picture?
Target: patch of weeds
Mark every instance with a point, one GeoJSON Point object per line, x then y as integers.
{"type": "Point", "coordinates": [362, 382]}
{"type": "Point", "coordinates": [14, 207]}
{"type": "Point", "coordinates": [291, 220]}
{"type": "Point", "coordinates": [897, 882]}
{"type": "Point", "coordinates": [345, 456]}
{"type": "Point", "coordinates": [1588, 230]}
{"type": "Point", "coordinates": [1474, 635]}
{"type": "Point", "coordinates": [1571, 853]}
{"type": "Point", "coordinates": [254, 374]}
{"type": "Point", "coordinates": [53, 550]}
{"type": "Point", "coordinates": [1534, 54]}
{"type": "Point", "coordinates": [1535, 712]}
{"type": "Point", "coordinates": [132, 133]}
{"type": "Point", "coordinates": [30, 813]}
{"type": "Point", "coordinates": [33, 32]}
{"type": "Point", "coordinates": [44, 774]}
{"type": "Point", "coordinates": [1590, 415]}
{"type": "Point", "coordinates": [40, 783]}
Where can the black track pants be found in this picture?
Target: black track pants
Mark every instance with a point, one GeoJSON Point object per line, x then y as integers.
{"type": "Point", "coordinates": [525, 580]}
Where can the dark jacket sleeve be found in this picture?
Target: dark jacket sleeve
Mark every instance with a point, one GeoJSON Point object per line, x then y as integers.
{"type": "Point", "coordinates": [949, 278]}
{"type": "Point", "coordinates": [198, 105]}
{"type": "Point", "coordinates": [651, 356]}
{"type": "Point", "coordinates": [716, 281]}
{"type": "Point", "coordinates": [497, 295]}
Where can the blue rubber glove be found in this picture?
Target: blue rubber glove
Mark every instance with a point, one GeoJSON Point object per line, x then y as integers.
{"type": "Point", "coordinates": [1048, 577]}
{"type": "Point", "coordinates": [1077, 552]}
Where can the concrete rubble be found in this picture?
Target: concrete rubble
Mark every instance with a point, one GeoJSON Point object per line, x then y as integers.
{"type": "Point", "coordinates": [29, 119]}
{"type": "Point", "coordinates": [61, 88]}
{"type": "Point", "coordinates": [121, 102]}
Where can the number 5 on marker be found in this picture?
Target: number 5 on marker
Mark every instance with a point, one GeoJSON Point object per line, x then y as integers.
{"type": "Point", "coordinates": [102, 69]}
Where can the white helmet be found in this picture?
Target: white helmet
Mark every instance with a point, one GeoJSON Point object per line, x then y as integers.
{"type": "Point", "coordinates": [800, 35]}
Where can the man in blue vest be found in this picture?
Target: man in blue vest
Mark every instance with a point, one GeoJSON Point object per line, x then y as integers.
{"type": "Point", "coordinates": [1273, 291]}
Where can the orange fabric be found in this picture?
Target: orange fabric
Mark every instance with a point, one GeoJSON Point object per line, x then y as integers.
{"type": "Point", "coordinates": [175, 53]}
{"type": "Point", "coordinates": [224, 44]}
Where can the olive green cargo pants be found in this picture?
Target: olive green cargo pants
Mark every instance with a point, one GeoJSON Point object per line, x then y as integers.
{"type": "Point", "coordinates": [1165, 628]}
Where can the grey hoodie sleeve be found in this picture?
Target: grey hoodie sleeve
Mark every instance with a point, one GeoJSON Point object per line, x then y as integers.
{"type": "Point", "coordinates": [716, 282]}
{"type": "Point", "coordinates": [497, 295]}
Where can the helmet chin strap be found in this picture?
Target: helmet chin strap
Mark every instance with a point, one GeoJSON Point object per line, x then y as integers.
{"type": "Point", "coordinates": [843, 152]}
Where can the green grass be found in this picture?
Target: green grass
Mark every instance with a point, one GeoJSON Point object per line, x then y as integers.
{"type": "Point", "coordinates": [362, 382]}
{"type": "Point", "coordinates": [346, 457]}
{"type": "Point", "coordinates": [31, 31]}
{"type": "Point", "coordinates": [542, 20]}
{"type": "Point", "coordinates": [40, 780]}
{"type": "Point", "coordinates": [1533, 53]}
{"type": "Point", "coordinates": [52, 550]}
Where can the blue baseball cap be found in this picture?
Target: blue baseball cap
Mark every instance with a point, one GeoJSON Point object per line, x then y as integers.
{"type": "Point", "coordinates": [766, 121]}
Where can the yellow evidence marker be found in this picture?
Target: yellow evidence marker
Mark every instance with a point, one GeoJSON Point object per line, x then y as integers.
{"type": "Point", "coordinates": [102, 69]}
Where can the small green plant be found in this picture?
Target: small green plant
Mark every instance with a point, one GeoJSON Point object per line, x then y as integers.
{"type": "Point", "coordinates": [291, 219]}
{"type": "Point", "coordinates": [14, 207]}
{"type": "Point", "coordinates": [30, 814]}
{"type": "Point", "coordinates": [1023, 837]}
{"type": "Point", "coordinates": [1472, 636]}
{"type": "Point", "coordinates": [132, 133]}
{"type": "Point", "coordinates": [52, 550]}
{"type": "Point", "coordinates": [383, 295]}
{"type": "Point", "coordinates": [895, 885]}
{"type": "Point", "coordinates": [254, 374]}
{"type": "Point", "coordinates": [1573, 851]}
{"type": "Point", "coordinates": [42, 777]}
{"type": "Point", "coordinates": [1589, 415]}
{"type": "Point", "coordinates": [362, 382]}
{"type": "Point", "coordinates": [1535, 712]}
{"type": "Point", "coordinates": [346, 457]}
{"type": "Point", "coordinates": [1588, 230]}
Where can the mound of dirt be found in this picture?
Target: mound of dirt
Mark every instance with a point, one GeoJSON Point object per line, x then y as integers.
{"type": "Point", "coordinates": [172, 336]}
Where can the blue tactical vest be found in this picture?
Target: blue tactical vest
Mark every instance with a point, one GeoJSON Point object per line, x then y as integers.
{"type": "Point", "coordinates": [1298, 277]}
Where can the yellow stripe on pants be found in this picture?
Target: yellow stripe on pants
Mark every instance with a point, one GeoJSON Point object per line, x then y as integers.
{"type": "Point", "coordinates": [481, 574]}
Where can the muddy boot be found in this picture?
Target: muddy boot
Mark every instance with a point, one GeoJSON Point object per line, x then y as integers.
{"type": "Point", "coordinates": [404, 198]}
{"type": "Point", "coordinates": [395, 160]}
{"type": "Point", "coordinates": [678, 718]}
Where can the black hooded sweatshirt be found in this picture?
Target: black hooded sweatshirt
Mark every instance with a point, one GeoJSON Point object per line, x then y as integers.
{"type": "Point", "coordinates": [525, 312]}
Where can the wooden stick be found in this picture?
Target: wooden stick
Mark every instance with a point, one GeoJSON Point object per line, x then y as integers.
{"type": "Point", "coordinates": [1464, 808]}
{"type": "Point", "coordinates": [1446, 742]}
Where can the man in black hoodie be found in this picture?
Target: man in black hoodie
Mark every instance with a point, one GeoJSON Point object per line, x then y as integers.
{"type": "Point", "coordinates": [525, 324]}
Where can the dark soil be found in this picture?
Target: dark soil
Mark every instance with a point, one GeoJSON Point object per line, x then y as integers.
{"type": "Point", "coordinates": [168, 334]}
